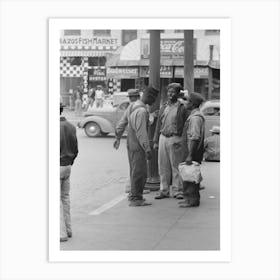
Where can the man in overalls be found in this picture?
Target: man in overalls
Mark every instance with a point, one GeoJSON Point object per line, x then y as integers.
{"type": "Point", "coordinates": [138, 147]}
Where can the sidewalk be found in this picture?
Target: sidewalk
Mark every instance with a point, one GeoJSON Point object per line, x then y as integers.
{"type": "Point", "coordinates": [162, 226]}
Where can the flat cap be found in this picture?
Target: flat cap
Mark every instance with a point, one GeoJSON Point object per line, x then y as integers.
{"type": "Point", "coordinates": [133, 92]}
{"type": "Point", "coordinates": [215, 129]}
{"type": "Point", "coordinates": [195, 98]}
{"type": "Point", "coordinates": [177, 87]}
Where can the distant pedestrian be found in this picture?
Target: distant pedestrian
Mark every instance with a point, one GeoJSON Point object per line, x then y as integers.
{"type": "Point", "coordinates": [85, 101]}
{"type": "Point", "coordinates": [99, 96]}
{"type": "Point", "coordinates": [212, 145]}
{"type": "Point", "coordinates": [195, 127]}
{"type": "Point", "coordinates": [168, 139]}
{"type": "Point", "coordinates": [78, 103]}
{"type": "Point", "coordinates": [68, 153]}
{"type": "Point", "coordinates": [71, 99]}
{"type": "Point", "coordinates": [91, 97]}
{"type": "Point", "coordinates": [138, 146]}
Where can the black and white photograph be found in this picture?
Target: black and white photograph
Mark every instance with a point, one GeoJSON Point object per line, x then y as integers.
{"type": "Point", "coordinates": [140, 135]}
{"type": "Point", "coordinates": [139, 139]}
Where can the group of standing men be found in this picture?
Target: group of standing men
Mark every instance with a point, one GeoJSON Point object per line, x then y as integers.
{"type": "Point", "coordinates": [179, 137]}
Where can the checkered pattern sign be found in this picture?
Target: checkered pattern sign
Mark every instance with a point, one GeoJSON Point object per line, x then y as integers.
{"type": "Point", "coordinates": [114, 85]}
{"type": "Point", "coordinates": [68, 70]}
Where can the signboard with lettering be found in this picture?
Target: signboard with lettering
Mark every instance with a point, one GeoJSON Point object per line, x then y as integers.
{"type": "Point", "coordinates": [165, 71]}
{"type": "Point", "coordinates": [99, 43]}
{"type": "Point", "coordinates": [123, 73]}
{"type": "Point", "coordinates": [97, 73]}
{"type": "Point", "coordinates": [199, 72]}
{"type": "Point", "coordinates": [171, 48]}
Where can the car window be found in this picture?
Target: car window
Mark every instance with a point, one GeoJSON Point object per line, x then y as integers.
{"type": "Point", "coordinates": [123, 106]}
{"type": "Point", "coordinates": [211, 111]}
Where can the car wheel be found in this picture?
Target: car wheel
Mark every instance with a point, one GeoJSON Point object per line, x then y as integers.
{"type": "Point", "coordinates": [92, 129]}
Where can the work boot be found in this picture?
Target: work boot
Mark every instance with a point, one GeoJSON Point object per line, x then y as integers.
{"type": "Point", "coordinates": [161, 195]}
{"type": "Point", "coordinates": [135, 203]}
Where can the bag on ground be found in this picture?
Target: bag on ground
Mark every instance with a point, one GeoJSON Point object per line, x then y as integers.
{"type": "Point", "coordinates": [190, 173]}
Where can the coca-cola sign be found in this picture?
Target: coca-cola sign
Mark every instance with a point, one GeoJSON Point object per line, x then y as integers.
{"type": "Point", "coordinates": [168, 47]}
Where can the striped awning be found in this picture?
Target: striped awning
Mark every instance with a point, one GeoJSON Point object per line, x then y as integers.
{"type": "Point", "coordinates": [82, 53]}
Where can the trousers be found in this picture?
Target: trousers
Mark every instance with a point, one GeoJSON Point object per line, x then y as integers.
{"type": "Point", "coordinates": [170, 154]}
{"type": "Point", "coordinates": [191, 193]}
{"type": "Point", "coordinates": [65, 218]}
{"type": "Point", "coordinates": [138, 173]}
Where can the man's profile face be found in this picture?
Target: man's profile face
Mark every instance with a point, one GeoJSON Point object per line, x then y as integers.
{"type": "Point", "coordinates": [171, 94]}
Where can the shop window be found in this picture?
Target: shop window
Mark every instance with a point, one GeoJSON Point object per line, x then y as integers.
{"type": "Point", "coordinates": [97, 61]}
{"type": "Point", "coordinates": [128, 35]}
{"type": "Point", "coordinates": [72, 32]}
{"type": "Point", "coordinates": [75, 61]}
{"type": "Point", "coordinates": [127, 84]}
{"type": "Point", "coordinates": [102, 32]}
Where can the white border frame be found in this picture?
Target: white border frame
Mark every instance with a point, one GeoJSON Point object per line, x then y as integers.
{"type": "Point", "coordinates": [224, 254]}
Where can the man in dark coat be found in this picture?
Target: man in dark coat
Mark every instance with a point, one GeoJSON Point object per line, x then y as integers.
{"type": "Point", "coordinates": [68, 153]}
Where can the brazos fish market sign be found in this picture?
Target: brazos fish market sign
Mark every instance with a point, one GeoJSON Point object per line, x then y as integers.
{"type": "Point", "coordinates": [89, 41]}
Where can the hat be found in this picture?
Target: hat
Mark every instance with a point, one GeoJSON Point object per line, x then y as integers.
{"type": "Point", "coordinates": [133, 92]}
{"type": "Point", "coordinates": [195, 98]}
{"type": "Point", "coordinates": [151, 90]}
{"type": "Point", "coordinates": [215, 129]}
{"type": "Point", "coordinates": [177, 87]}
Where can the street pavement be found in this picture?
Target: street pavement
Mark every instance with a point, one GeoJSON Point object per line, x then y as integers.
{"type": "Point", "coordinates": [102, 219]}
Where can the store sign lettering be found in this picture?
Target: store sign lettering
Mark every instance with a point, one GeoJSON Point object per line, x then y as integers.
{"type": "Point", "coordinates": [122, 72]}
{"type": "Point", "coordinates": [96, 41]}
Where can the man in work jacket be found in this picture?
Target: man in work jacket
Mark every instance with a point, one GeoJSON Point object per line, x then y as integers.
{"type": "Point", "coordinates": [68, 153]}
{"type": "Point", "coordinates": [195, 129]}
{"type": "Point", "coordinates": [138, 147]}
{"type": "Point", "coordinates": [168, 139]}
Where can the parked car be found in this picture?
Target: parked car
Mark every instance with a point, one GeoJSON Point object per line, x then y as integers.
{"type": "Point", "coordinates": [102, 121]}
{"type": "Point", "coordinates": [211, 112]}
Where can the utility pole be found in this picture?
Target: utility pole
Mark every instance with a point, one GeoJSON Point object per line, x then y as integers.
{"type": "Point", "coordinates": [188, 61]}
{"type": "Point", "coordinates": [154, 80]}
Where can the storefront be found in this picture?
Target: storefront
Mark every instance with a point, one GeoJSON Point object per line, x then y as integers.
{"type": "Point", "coordinates": [82, 62]}
{"type": "Point", "coordinates": [135, 56]}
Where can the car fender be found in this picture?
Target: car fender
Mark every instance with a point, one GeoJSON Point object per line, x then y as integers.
{"type": "Point", "coordinates": [104, 124]}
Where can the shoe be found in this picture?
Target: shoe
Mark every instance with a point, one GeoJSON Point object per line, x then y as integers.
{"type": "Point", "coordinates": [179, 196]}
{"type": "Point", "coordinates": [201, 188]}
{"type": "Point", "coordinates": [182, 202]}
{"type": "Point", "coordinates": [161, 196]}
{"type": "Point", "coordinates": [187, 205]}
{"type": "Point", "coordinates": [129, 198]}
{"type": "Point", "coordinates": [145, 191]}
{"type": "Point", "coordinates": [69, 234]}
{"type": "Point", "coordinates": [63, 239]}
{"type": "Point", "coordinates": [136, 203]}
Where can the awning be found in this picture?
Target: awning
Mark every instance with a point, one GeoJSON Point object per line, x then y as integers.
{"type": "Point", "coordinates": [87, 50]}
{"type": "Point", "coordinates": [82, 53]}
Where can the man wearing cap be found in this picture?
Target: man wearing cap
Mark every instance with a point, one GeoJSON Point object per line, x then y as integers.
{"type": "Point", "coordinates": [212, 145]}
{"type": "Point", "coordinates": [133, 95]}
{"type": "Point", "coordinates": [168, 139]}
{"type": "Point", "coordinates": [138, 147]}
{"type": "Point", "coordinates": [195, 127]}
{"type": "Point", "coordinates": [68, 153]}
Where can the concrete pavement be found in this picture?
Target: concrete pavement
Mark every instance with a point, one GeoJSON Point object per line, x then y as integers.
{"type": "Point", "coordinates": [162, 226]}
